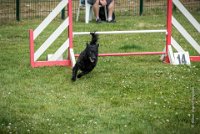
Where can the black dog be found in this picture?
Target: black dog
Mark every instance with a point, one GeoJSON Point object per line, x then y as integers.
{"type": "Point", "coordinates": [88, 58]}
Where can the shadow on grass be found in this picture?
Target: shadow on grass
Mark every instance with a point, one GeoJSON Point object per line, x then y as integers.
{"type": "Point", "coordinates": [131, 46]}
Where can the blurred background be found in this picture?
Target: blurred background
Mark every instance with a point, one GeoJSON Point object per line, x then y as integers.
{"type": "Point", "coordinates": [17, 10]}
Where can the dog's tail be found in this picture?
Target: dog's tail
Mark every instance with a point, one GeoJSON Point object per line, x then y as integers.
{"type": "Point", "coordinates": [94, 38]}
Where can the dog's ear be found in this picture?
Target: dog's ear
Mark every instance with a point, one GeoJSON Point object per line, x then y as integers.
{"type": "Point", "coordinates": [93, 33]}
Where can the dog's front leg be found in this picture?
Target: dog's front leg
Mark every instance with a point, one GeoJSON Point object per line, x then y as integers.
{"type": "Point", "coordinates": [74, 72]}
{"type": "Point", "coordinates": [82, 73]}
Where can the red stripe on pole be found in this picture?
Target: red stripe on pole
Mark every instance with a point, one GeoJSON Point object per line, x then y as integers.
{"type": "Point", "coordinates": [195, 58]}
{"type": "Point", "coordinates": [169, 27]}
{"type": "Point", "coordinates": [70, 27]}
{"type": "Point", "coordinates": [129, 54]}
{"type": "Point", "coordinates": [31, 45]}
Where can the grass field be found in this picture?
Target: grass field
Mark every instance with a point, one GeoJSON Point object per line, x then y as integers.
{"type": "Point", "coordinates": [121, 95]}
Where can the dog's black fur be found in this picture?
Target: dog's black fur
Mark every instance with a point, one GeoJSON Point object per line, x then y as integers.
{"type": "Point", "coordinates": [88, 58]}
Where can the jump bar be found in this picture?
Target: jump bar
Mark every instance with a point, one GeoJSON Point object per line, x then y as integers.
{"type": "Point", "coordinates": [129, 54]}
{"type": "Point", "coordinates": [121, 32]}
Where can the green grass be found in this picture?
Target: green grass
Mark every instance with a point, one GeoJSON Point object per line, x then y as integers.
{"type": "Point", "coordinates": [121, 95]}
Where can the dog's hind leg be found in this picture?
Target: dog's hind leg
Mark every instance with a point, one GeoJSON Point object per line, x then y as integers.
{"type": "Point", "coordinates": [82, 73]}
{"type": "Point", "coordinates": [74, 72]}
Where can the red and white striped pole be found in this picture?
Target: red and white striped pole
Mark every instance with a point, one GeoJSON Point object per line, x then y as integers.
{"type": "Point", "coordinates": [169, 28]}
{"type": "Point", "coordinates": [31, 45]}
{"type": "Point", "coordinates": [70, 28]}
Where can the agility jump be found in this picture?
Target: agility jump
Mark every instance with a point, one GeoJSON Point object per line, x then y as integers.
{"type": "Point", "coordinates": [125, 32]}
{"type": "Point", "coordinates": [54, 60]}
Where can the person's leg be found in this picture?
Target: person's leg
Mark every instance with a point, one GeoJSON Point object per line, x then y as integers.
{"type": "Point", "coordinates": [96, 9]}
{"type": "Point", "coordinates": [111, 10]}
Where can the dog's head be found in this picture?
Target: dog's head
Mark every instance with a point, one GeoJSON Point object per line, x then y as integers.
{"type": "Point", "coordinates": [92, 48]}
{"type": "Point", "coordinates": [92, 52]}
{"type": "Point", "coordinates": [94, 38]}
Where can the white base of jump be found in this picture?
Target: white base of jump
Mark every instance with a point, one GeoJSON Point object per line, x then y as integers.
{"type": "Point", "coordinates": [49, 58]}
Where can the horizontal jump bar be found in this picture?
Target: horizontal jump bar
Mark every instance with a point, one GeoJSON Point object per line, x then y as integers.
{"type": "Point", "coordinates": [121, 32]}
{"type": "Point", "coordinates": [195, 58]}
{"type": "Point", "coordinates": [128, 54]}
